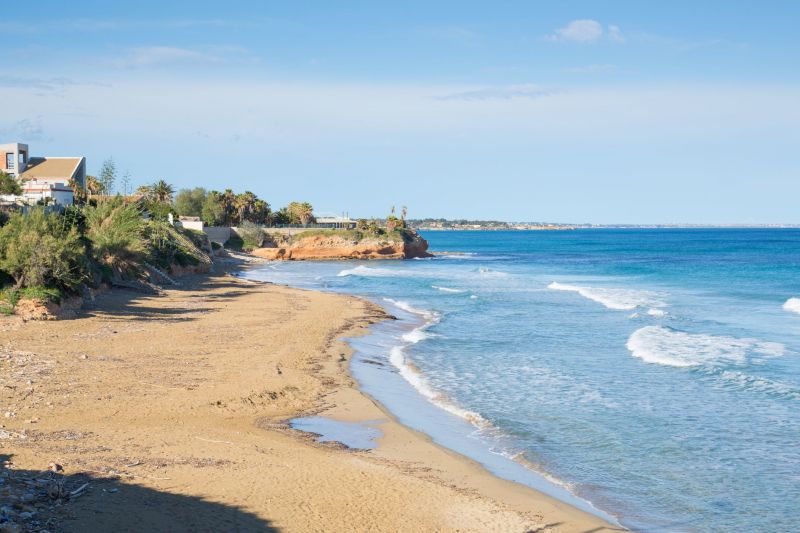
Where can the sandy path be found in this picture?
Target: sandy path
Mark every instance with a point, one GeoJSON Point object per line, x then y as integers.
{"type": "Point", "coordinates": [171, 408]}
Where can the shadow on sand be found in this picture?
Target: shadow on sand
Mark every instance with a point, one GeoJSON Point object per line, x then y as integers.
{"type": "Point", "coordinates": [33, 500]}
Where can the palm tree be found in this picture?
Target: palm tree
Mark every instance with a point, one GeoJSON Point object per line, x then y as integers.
{"type": "Point", "coordinates": [302, 212]}
{"type": "Point", "coordinates": [93, 186]}
{"type": "Point", "coordinates": [162, 191]}
{"type": "Point", "coordinates": [145, 191]}
{"type": "Point", "coordinates": [78, 192]}
{"type": "Point", "coordinates": [260, 211]}
{"type": "Point", "coordinates": [228, 199]}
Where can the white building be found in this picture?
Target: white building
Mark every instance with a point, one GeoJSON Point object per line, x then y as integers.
{"type": "Point", "coordinates": [48, 179]}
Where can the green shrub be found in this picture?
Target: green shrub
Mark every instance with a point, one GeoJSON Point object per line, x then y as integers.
{"type": "Point", "coordinates": [251, 234]}
{"type": "Point", "coordinates": [234, 242]}
{"type": "Point", "coordinates": [168, 246]}
{"type": "Point", "coordinates": [39, 249]}
{"type": "Point", "coordinates": [9, 297]}
{"type": "Point", "coordinates": [115, 231]}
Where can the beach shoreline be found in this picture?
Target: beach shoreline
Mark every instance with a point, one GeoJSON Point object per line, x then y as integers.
{"type": "Point", "coordinates": [206, 444]}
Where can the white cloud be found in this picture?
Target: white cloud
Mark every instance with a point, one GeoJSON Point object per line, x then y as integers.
{"type": "Point", "coordinates": [586, 31]}
{"type": "Point", "coordinates": [579, 31]}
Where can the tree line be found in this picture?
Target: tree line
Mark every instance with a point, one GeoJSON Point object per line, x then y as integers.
{"type": "Point", "coordinates": [215, 208]}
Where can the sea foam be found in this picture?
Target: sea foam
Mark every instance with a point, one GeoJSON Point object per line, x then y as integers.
{"type": "Point", "coordinates": [665, 346]}
{"type": "Point", "coordinates": [619, 299]}
{"type": "Point", "coordinates": [370, 272]}
{"type": "Point", "coordinates": [411, 373]}
{"type": "Point", "coordinates": [447, 289]}
{"type": "Point", "coordinates": [792, 305]}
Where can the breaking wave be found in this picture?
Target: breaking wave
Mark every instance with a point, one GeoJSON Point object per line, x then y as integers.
{"type": "Point", "coordinates": [370, 272]}
{"type": "Point", "coordinates": [619, 299]}
{"type": "Point", "coordinates": [409, 372]}
{"type": "Point", "coordinates": [792, 305]}
{"type": "Point", "coordinates": [665, 346]}
{"type": "Point", "coordinates": [447, 289]}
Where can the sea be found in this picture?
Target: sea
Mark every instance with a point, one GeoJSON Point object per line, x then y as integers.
{"type": "Point", "coordinates": [650, 376]}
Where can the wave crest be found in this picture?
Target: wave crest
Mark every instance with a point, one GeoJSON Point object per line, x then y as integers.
{"type": "Point", "coordinates": [792, 305]}
{"type": "Point", "coordinates": [447, 289]}
{"type": "Point", "coordinates": [619, 299]}
{"type": "Point", "coordinates": [370, 272]}
{"type": "Point", "coordinates": [665, 346]}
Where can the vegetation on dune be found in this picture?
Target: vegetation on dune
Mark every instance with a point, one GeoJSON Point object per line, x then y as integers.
{"type": "Point", "coordinates": [168, 246]}
{"type": "Point", "coordinates": [115, 231]}
{"type": "Point", "coordinates": [9, 296]}
{"type": "Point", "coordinates": [42, 249]}
{"type": "Point", "coordinates": [45, 253]}
{"type": "Point", "coordinates": [49, 252]}
{"type": "Point", "coordinates": [252, 235]}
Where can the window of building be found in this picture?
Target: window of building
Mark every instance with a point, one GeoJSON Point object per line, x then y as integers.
{"type": "Point", "coordinates": [10, 161]}
{"type": "Point", "coordinates": [22, 159]}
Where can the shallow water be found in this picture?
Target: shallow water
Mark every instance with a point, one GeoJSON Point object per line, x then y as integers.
{"type": "Point", "coordinates": [654, 373]}
{"type": "Point", "coordinates": [356, 435]}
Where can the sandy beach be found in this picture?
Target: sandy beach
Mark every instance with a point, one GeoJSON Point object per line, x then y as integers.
{"type": "Point", "coordinates": [173, 409]}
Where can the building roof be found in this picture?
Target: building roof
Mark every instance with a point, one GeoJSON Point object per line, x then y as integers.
{"type": "Point", "coordinates": [51, 168]}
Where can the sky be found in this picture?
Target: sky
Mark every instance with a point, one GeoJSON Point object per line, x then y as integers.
{"type": "Point", "coordinates": [562, 111]}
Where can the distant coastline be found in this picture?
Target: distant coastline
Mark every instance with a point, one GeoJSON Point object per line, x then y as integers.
{"type": "Point", "coordinates": [495, 225]}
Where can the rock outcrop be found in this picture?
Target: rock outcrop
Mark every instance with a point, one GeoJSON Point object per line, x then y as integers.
{"type": "Point", "coordinates": [336, 245]}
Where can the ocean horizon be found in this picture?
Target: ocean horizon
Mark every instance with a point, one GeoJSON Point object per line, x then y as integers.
{"type": "Point", "coordinates": [648, 375]}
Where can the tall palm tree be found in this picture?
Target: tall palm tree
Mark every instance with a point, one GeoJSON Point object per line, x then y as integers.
{"type": "Point", "coordinates": [228, 199]}
{"type": "Point", "coordinates": [245, 205]}
{"type": "Point", "coordinates": [302, 212]}
{"type": "Point", "coordinates": [162, 191]}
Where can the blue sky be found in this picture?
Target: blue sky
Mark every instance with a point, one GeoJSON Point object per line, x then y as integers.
{"type": "Point", "coordinates": [560, 111]}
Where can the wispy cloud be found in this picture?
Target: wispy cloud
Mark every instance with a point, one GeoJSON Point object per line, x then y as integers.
{"type": "Point", "coordinates": [510, 92]}
{"type": "Point", "coordinates": [24, 130]}
{"type": "Point", "coordinates": [148, 56]}
{"type": "Point", "coordinates": [39, 84]}
{"type": "Point", "coordinates": [586, 31]}
{"type": "Point", "coordinates": [102, 25]}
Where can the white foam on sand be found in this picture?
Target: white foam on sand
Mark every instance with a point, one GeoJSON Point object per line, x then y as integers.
{"type": "Point", "coordinates": [792, 305]}
{"type": "Point", "coordinates": [613, 298]}
{"type": "Point", "coordinates": [665, 346]}
{"type": "Point", "coordinates": [411, 373]}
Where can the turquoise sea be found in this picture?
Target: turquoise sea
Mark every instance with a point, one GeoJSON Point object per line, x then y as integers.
{"type": "Point", "coordinates": [648, 375]}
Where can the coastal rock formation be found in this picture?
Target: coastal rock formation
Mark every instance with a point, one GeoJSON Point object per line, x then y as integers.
{"type": "Point", "coordinates": [341, 245]}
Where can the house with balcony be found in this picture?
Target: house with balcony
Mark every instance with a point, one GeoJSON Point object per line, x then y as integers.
{"type": "Point", "coordinates": [43, 179]}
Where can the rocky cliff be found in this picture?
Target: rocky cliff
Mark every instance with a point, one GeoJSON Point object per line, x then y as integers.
{"type": "Point", "coordinates": [336, 244]}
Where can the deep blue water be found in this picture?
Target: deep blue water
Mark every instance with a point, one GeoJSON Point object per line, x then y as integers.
{"type": "Point", "coordinates": [655, 373]}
